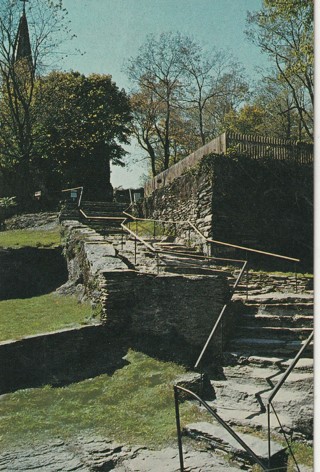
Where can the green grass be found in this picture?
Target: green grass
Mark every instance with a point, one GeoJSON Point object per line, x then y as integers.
{"type": "Point", "coordinates": [27, 316]}
{"type": "Point", "coordinates": [135, 405]}
{"type": "Point", "coordinates": [22, 238]}
{"type": "Point", "coordinates": [150, 228]}
{"type": "Point", "coordinates": [303, 453]}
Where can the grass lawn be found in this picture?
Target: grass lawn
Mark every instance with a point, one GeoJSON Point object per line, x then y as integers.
{"type": "Point", "coordinates": [23, 237]}
{"type": "Point", "coordinates": [135, 405]}
{"type": "Point", "coordinates": [27, 316]}
{"type": "Point", "coordinates": [150, 228]}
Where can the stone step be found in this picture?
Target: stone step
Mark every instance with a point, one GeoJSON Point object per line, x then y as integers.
{"type": "Point", "coordinates": [258, 320]}
{"type": "Point", "coordinates": [105, 214]}
{"type": "Point", "coordinates": [283, 309]}
{"type": "Point", "coordinates": [177, 250]}
{"type": "Point", "coordinates": [93, 204]}
{"type": "Point", "coordinates": [233, 357]}
{"type": "Point", "coordinates": [189, 270]}
{"type": "Point", "coordinates": [274, 332]}
{"type": "Point", "coordinates": [276, 298]}
{"type": "Point", "coordinates": [220, 439]}
{"type": "Point", "coordinates": [265, 374]}
{"type": "Point", "coordinates": [257, 346]}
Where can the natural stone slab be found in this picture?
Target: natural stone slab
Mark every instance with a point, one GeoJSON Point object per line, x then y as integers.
{"type": "Point", "coordinates": [224, 440]}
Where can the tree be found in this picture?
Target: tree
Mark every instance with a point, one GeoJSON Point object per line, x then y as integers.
{"type": "Point", "coordinates": [80, 125]}
{"type": "Point", "coordinates": [214, 83]}
{"type": "Point", "coordinates": [158, 73]}
{"type": "Point", "coordinates": [179, 93]}
{"type": "Point", "coordinates": [284, 30]}
{"type": "Point", "coordinates": [21, 61]}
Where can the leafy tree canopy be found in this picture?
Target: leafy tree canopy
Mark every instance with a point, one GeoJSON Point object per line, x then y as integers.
{"type": "Point", "coordinates": [283, 29]}
{"type": "Point", "coordinates": [80, 127]}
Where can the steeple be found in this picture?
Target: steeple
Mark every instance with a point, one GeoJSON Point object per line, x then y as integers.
{"type": "Point", "coordinates": [22, 43]}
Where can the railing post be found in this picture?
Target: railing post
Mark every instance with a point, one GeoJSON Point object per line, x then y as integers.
{"type": "Point", "coordinates": [176, 403]}
{"type": "Point", "coordinates": [135, 250]}
{"type": "Point", "coordinates": [122, 232]}
{"type": "Point", "coordinates": [296, 276]}
{"type": "Point", "coordinates": [154, 230]}
{"type": "Point", "coordinates": [269, 436]}
{"type": "Point", "coordinates": [221, 339]}
{"type": "Point", "coordinates": [247, 278]}
{"type": "Point", "coordinates": [158, 263]}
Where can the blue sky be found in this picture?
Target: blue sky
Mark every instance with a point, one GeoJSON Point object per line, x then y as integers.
{"type": "Point", "coordinates": [110, 31]}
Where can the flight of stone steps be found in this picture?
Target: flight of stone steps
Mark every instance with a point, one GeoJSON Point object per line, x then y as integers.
{"type": "Point", "coordinates": [271, 326]}
{"type": "Point", "coordinates": [103, 217]}
{"type": "Point", "coordinates": [269, 333]}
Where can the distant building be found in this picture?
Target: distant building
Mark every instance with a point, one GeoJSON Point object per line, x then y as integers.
{"type": "Point", "coordinates": [22, 47]}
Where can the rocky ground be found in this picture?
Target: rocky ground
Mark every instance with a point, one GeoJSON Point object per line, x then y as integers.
{"type": "Point", "coordinates": [99, 454]}
{"type": "Point", "coordinates": [33, 221]}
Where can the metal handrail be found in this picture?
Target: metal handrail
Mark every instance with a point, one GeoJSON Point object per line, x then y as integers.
{"type": "Point", "coordinates": [280, 256]}
{"type": "Point", "coordinates": [164, 251]}
{"type": "Point", "coordinates": [287, 372]}
{"type": "Point", "coordinates": [150, 219]}
{"type": "Point", "coordinates": [176, 389]}
{"type": "Point", "coordinates": [118, 218]}
{"type": "Point", "coordinates": [276, 389]}
{"type": "Point", "coordinates": [151, 248]}
{"type": "Point", "coordinates": [75, 188]}
{"type": "Point", "coordinates": [225, 306]}
{"type": "Point", "coordinates": [214, 241]}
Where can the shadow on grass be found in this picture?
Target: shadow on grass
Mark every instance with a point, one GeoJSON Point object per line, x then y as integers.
{"type": "Point", "coordinates": [70, 356]}
{"type": "Point", "coordinates": [29, 272]}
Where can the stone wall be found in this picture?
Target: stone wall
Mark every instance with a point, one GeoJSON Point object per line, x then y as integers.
{"type": "Point", "coordinates": [264, 204]}
{"type": "Point", "coordinates": [165, 306]}
{"type": "Point", "coordinates": [142, 303]}
{"type": "Point", "coordinates": [188, 197]}
{"type": "Point", "coordinates": [57, 358]}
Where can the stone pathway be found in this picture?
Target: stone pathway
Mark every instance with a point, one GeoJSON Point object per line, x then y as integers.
{"type": "Point", "coordinates": [98, 454]}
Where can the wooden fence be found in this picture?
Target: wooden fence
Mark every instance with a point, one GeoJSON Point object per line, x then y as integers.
{"type": "Point", "coordinates": [256, 147]}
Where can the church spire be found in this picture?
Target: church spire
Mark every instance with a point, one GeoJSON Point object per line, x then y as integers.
{"type": "Point", "coordinates": [22, 44]}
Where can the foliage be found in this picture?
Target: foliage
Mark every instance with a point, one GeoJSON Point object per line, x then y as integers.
{"type": "Point", "coordinates": [80, 126]}
{"type": "Point", "coordinates": [24, 238]}
{"type": "Point", "coordinates": [247, 120]}
{"type": "Point", "coordinates": [284, 31]}
{"type": "Point", "coordinates": [41, 314]}
{"type": "Point", "coordinates": [8, 202]}
{"type": "Point", "coordinates": [140, 413]}
{"type": "Point", "coordinates": [181, 94]}
{"type": "Point", "coordinates": [48, 29]}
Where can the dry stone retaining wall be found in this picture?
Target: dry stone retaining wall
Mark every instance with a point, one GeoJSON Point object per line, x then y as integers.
{"type": "Point", "coordinates": [57, 358]}
{"type": "Point", "coordinates": [264, 204]}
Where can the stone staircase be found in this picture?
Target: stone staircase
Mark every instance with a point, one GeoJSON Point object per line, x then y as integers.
{"type": "Point", "coordinates": [271, 325]}
{"type": "Point", "coordinates": [268, 334]}
{"type": "Point", "coordinates": [103, 217]}
{"type": "Point", "coordinates": [275, 322]}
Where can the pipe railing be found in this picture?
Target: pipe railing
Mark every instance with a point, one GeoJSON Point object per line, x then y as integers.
{"type": "Point", "coordinates": [225, 425]}
{"type": "Point", "coordinates": [217, 323]}
{"type": "Point", "coordinates": [276, 389]}
{"type": "Point", "coordinates": [219, 319]}
{"type": "Point", "coordinates": [244, 248]}
{"type": "Point", "coordinates": [165, 251]}
{"type": "Point", "coordinates": [243, 268]}
{"type": "Point", "coordinates": [75, 188]}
